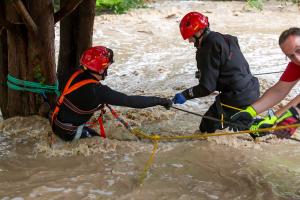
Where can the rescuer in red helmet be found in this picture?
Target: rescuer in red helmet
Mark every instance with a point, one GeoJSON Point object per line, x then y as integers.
{"type": "Point", "coordinates": [221, 67]}
{"type": "Point", "coordinates": [83, 94]}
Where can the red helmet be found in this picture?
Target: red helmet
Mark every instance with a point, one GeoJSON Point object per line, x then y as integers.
{"type": "Point", "coordinates": [191, 23]}
{"type": "Point", "coordinates": [97, 58]}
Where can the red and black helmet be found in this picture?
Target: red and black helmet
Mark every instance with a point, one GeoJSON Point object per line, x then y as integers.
{"type": "Point", "coordinates": [97, 59]}
{"type": "Point", "coordinates": [191, 23]}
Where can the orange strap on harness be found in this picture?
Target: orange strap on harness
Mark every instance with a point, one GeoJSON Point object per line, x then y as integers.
{"type": "Point", "coordinates": [100, 121]}
{"type": "Point", "coordinates": [69, 89]}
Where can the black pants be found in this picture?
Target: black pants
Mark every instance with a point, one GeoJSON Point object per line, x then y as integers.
{"type": "Point", "coordinates": [216, 110]}
{"type": "Point", "coordinates": [69, 136]}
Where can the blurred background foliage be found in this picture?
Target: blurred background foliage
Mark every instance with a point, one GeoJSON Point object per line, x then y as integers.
{"type": "Point", "coordinates": [121, 6]}
{"type": "Point", "coordinates": [112, 6]}
{"type": "Point", "coordinates": [117, 6]}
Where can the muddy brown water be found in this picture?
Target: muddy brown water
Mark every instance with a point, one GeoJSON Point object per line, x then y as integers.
{"type": "Point", "coordinates": [152, 59]}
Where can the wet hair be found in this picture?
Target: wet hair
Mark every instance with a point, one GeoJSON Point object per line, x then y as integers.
{"type": "Point", "coordinates": [285, 34]}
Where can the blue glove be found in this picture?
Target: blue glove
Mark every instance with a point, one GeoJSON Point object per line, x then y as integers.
{"type": "Point", "coordinates": [179, 99]}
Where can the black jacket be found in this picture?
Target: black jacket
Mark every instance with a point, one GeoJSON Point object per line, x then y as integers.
{"type": "Point", "coordinates": [223, 68]}
{"type": "Point", "coordinates": [90, 96]}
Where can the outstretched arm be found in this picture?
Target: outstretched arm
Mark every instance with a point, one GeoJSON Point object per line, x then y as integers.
{"type": "Point", "coordinates": [273, 96]}
{"type": "Point", "coordinates": [110, 96]}
{"type": "Point", "coordinates": [292, 103]}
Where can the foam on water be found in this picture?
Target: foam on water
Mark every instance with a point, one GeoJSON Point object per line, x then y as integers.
{"type": "Point", "coordinates": [152, 59]}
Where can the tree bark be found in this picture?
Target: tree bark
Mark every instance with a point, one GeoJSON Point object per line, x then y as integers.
{"type": "Point", "coordinates": [30, 56]}
{"type": "Point", "coordinates": [16, 64]}
{"type": "Point", "coordinates": [3, 64]}
{"type": "Point", "coordinates": [67, 9]}
{"type": "Point", "coordinates": [76, 32]}
{"type": "Point", "coordinates": [22, 11]}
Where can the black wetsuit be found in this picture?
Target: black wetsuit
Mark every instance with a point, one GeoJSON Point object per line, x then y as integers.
{"type": "Point", "coordinates": [222, 67]}
{"type": "Point", "coordinates": [89, 97]}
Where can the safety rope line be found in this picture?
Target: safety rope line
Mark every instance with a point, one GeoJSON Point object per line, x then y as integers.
{"type": "Point", "coordinates": [156, 138]}
{"type": "Point", "coordinates": [140, 134]}
{"type": "Point", "coordinates": [232, 107]}
{"type": "Point", "coordinates": [211, 118]}
{"type": "Point", "coordinates": [149, 162]}
{"type": "Point", "coordinates": [264, 73]}
{"type": "Point", "coordinates": [235, 108]}
{"type": "Point", "coordinates": [29, 86]}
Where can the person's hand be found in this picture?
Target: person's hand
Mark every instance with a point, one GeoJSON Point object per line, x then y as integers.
{"type": "Point", "coordinates": [292, 112]}
{"type": "Point", "coordinates": [179, 98]}
{"type": "Point", "coordinates": [290, 117]}
{"type": "Point", "coordinates": [167, 103]}
{"type": "Point", "coordinates": [242, 120]}
{"type": "Point", "coordinates": [266, 122]}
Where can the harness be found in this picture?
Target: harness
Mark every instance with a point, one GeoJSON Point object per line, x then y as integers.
{"type": "Point", "coordinates": [63, 100]}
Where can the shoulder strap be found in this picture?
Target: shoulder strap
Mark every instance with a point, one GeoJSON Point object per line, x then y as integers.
{"type": "Point", "coordinates": [68, 90]}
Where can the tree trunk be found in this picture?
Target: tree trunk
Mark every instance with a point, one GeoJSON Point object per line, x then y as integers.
{"type": "Point", "coordinates": [30, 56]}
{"type": "Point", "coordinates": [76, 32]}
{"type": "Point", "coordinates": [3, 64]}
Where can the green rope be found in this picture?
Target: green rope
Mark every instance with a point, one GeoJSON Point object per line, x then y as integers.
{"type": "Point", "coordinates": [21, 85]}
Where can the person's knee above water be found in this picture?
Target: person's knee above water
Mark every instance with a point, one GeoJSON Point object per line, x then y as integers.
{"type": "Point", "coordinates": [83, 95]}
{"type": "Point", "coordinates": [289, 42]}
{"type": "Point", "coordinates": [221, 67]}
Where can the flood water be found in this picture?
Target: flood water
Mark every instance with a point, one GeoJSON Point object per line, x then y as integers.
{"type": "Point", "coordinates": [152, 59]}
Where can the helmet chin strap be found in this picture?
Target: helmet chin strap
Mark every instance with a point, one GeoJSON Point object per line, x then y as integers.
{"type": "Point", "coordinates": [197, 39]}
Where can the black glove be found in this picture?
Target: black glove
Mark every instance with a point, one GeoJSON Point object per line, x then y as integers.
{"type": "Point", "coordinates": [290, 117]}
{"type": "Point", "coordinates": [167, 103]}
{"type": "Point", "coordinates": [242, 120]}
{"type": "Point", "coordinates": [259, 124]}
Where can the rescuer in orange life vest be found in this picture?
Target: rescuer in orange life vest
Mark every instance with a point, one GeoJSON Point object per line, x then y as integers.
{"type": "Point", "coordinates": [221, 67]}
{"type": "Point", "coordinates": [84, 94]}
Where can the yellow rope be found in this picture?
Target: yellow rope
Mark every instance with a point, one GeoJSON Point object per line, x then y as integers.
{"type": "Point", "coordinates": [232, 107]}
{"type": "Point", "coordinates": [149, 162]}
{"type": "Point", "coordinates": [156, 138]}
{"type": "Point", "coordinates": [141, 134]}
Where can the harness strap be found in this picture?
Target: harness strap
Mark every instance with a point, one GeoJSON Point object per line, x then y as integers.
{"type": "Point", "coordinates": [101, 126]}
{"type": "Point", "coordinates": [78, 132]}
{"type": "Point", "coordinates": [71, 106]}
{"type": "Point", "coordinates": [65, 126]}
{"type": "Point", "coordinates": [67, 90]}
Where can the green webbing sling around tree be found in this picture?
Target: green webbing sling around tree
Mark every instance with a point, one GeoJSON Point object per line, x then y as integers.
{"type": "Point", "coordinates": [21, 85]}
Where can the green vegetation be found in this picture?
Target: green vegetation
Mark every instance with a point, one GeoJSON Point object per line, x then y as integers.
{"type": "Point", "coordinates": [258, 4]}
{"type": "Point", "coordinates": [117, 6]}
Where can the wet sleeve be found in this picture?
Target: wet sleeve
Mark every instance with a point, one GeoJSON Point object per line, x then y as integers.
{"type": "Point", "coordinates": [109, 96]}
{"type": "Point", "coordinates": [209, 62]}
{"type": "Point", "coordinates": [195, 92]}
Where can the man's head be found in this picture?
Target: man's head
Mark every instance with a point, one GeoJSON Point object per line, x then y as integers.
{"type": "Point", "coordinates": [193, 26]}
{"type": "Point", "coordinates": [97, 60]}
{"type": "Point", "coordinates": [289, 42]}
